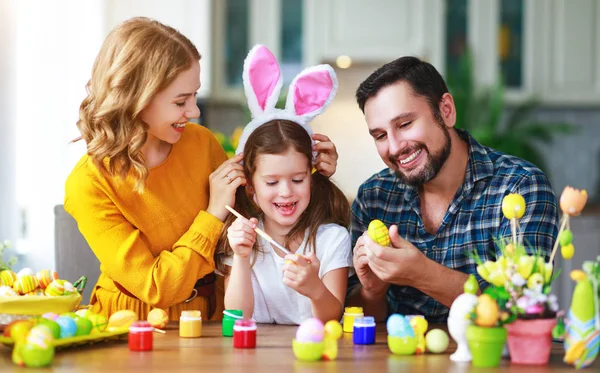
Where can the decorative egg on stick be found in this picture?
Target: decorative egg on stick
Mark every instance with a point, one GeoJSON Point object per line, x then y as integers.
{"type": "Point", "coordinates": [572, 201]}
{"type": "Point", "coordinates": [513, 208]}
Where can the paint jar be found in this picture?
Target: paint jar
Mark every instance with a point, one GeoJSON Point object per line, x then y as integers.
{"type": "Point", "coordinates": [140, 336]}
{"type": "Point", "coordinates": [364, 330]}
{"type": "Point", "coordinates": [349, 314]}
{"type": "Point", "coordinates": [229, 318]}
{"type": "Point", "coordinates": [244, 334]}
{"type": "Point", "coordinates": [190, 324]}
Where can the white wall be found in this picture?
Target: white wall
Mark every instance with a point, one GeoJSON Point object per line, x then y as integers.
{"type": "Point", "coordinates": [344, 123]}
{"type": "Point", "coordinates": [8, 205]}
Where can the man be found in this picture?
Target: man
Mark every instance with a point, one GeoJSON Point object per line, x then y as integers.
{"type": "Point", "coordinates": [441, 197]}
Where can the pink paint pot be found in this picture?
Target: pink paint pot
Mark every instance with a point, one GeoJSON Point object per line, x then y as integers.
{"type": "Point", "coordinates": [530, 341]}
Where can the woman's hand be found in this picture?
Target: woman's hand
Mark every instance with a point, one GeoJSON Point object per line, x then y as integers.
{"type": "Point", "coordinates": [224, 181]}
{"type": "Point", "coordinates": [242, 236]}
{"type": "Point", "coordinates": [302, 274]}
{"type": "Point", "coordinates": [326, 160]}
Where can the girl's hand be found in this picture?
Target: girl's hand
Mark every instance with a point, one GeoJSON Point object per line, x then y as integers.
{"type": "Point", "coordinates": [242, 236]}
{"type": "Point", "coordinates": [302, 274]}
{"type": "Point", "coordinates": [224, 181]}
{"type": "Point", "coordinates": [326, 160]}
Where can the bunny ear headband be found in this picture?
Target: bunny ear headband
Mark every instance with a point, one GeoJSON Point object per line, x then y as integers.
{"type": "Point", "coordinates": [311, 91]}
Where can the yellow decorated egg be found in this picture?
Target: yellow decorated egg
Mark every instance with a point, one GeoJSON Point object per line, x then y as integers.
{"type": "Point", "coordinates": [55, 288]}
{"type": "Point", "coordinates": [45, 277]}
{"type": "Point", "coordinates": [121, 319]}
{"type": "Point", "coordinates": [158, 318]}
{"type": "Point", "coordinates": [7, 277]}
{"type": "Point", "coordinates": [513, 206]}
{"type": "Point", "coordinates": [25, 284]}
{"type": "Point", "coordinates": [379, 233]}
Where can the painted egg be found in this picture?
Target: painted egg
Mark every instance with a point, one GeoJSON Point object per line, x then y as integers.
{"type": "Point", "coordinates": [25, 272]}
{"type": "Point", "coordinates": [68, 327]}
{"type": "Point", "coordinates": [8, 277]}
{"type": "Point", "coordinates": [45, 277]}
{"type": "Point", "coordinates": [25, 284]}
{"type": "Point", "coordinates": [34, 356]}
{"type": "Point", "coordinates": [379, 232]}
{"type": "Point", "coordinates": [398, 326]}
{"type": "Point", "coordinates": [69, 288]}
{"type": "Point", "coordinates": [51, 316]}
{"type": "Point", "coordinates": [7, 291]}
{"type": "Point", "coordinates": [41, 336]}
{"type": "Point", "coordinates": [436, 341]}
{"type": "Point", "coordinates": [311, 330]}
{"type": "Point", "coordinates": [513, 206]}
{"type": "Point", "coordinates": [55, 288]}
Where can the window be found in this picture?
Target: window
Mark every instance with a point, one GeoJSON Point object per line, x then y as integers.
{"type": "Point", "coordinates": [510, 42]}
{"type": "Point", "coordinates": [236, 40]}
{"type": "Point", "coordinates": [291, 39]}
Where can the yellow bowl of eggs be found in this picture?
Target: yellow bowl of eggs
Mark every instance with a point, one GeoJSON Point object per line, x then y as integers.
{"type": "Point", "coordinates": [26, 294]}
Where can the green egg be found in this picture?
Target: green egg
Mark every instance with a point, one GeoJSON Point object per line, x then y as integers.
{"type": "Point", "coordinates": [566, 237]}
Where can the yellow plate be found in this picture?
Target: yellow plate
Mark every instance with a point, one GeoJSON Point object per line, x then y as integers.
{"type": "Point", "coordinates": [79, 340]}
{"type": "Point", "coordinates": [39, 304]}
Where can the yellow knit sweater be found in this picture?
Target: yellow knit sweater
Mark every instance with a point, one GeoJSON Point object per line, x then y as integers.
{"type": "Point", "coordinates": [157, 244]}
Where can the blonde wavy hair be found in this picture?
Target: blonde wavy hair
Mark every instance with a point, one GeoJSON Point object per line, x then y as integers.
{"type": "Point", "coordinates": [138, 59]}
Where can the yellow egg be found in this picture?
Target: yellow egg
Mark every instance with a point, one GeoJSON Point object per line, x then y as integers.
{"type": "Point", "coordinates": [121, 319]}
{"type": "Point", "coordinates": [513, 206]}
{"type": "Point", "coordinates": [333, 329]}
{"type": "Point", "coordinates": [158, 318]}
{"type": "Point", "coordinates": [567, 251]}
{"type": "Point", "coordinates": [378, 232]}
{"type": "Point", "coordinates": [486, 311]}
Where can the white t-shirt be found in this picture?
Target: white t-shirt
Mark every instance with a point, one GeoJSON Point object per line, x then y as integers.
{"type": "Point", "coordinates": [276, 303]}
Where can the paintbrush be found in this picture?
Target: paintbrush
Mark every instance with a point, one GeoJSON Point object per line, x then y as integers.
{"type": "Point", "coordinates": [261, 232]}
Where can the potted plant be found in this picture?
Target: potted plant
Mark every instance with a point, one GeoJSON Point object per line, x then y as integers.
{"type": "Point", "coordinates": [486, 336]}
{"type": "Point", "coordinates": [480, 111]}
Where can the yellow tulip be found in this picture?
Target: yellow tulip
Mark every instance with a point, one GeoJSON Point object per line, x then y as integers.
{"type": "Point", "coordinates": [572, 201]}
{"type": "Point", "coordinates": [498, 278]}
{"type": "Point", "coordinates": [513, 206]}
{"type": "Point", "coordinates": [525, 266]}
{"type": "Point", "coordinates": [535, 280]}
{"type": "Point", "coordinates": [235, 137]}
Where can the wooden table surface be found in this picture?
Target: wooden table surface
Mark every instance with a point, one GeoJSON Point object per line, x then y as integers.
{"type": "Point", "coordinates": [214, 353]}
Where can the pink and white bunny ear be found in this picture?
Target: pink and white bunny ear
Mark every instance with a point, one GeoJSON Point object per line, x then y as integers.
{"type": "Point", "coordinates": [311, 92]}
{"type": "Point", "coordinates": [262, 80]}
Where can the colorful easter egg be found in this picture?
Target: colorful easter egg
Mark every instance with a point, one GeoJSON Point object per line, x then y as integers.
{"type": "Point", "coordinates": [40, 335]}
{"type": "Point", "coordinates": [84, 326]}
{"type": "Point", "coordinates": [398, 326]}
{"type": "Point", "coordinates": [311, 330]}
{"type": "Point", "coordinates": [25, 284]}
{"type": "Point", "coordinates": [25, 272]}
{"type": "Point", "coordinates": [52, 326]}
{"type": "Point", "coordinates": [7, 291]}
{"type": "Point", "coordinates": [158, 318]}
{"type": "Point", "coordinates": [122, 319]}
{"type": "Point", "coordinates": [8, 277]}
{"type": "Point", "coordinates": [45, 277]}
{"type": "Point", "coordinates": [68, 327]}
{"type": "Point", "coordinates": [34, 355]}
{"type": "Point", "coordinates": [379, 232]}
{"type": "Point", "coordinates": [99, 322]}
{"type": "Point", "coordinates": [55, 288]}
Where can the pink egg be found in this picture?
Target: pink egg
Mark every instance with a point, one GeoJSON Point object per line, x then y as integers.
{"type": "Point", "coordinates": [311, 330]}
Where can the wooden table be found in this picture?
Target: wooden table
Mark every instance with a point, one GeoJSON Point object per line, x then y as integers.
{"type": "Point", "coordinates": [214, 353]}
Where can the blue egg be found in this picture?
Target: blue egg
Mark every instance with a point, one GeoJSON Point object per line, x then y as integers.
{"type": "Point", "coordinates": [398, 326]}
{"type": "Point", "coordinates": [68, 327]}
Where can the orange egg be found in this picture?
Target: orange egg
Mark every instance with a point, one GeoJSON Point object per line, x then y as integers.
{"type": "Point", "coordinates": [572, 201]}
{"type": "Point", "coordinates": [486, 311]}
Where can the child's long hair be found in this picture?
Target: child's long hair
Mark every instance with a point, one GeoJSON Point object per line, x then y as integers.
{"type": "Point", "coordinates": [328, 204]}
{"type": "Point", "coordinates": [138, 59]}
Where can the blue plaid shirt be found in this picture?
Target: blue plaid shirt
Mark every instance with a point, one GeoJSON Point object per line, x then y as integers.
{"type": "Point", "coordinates": [473, 220]}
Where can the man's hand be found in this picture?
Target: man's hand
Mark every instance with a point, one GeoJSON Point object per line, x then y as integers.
{"type": "Point", "coordinates": [368, 279]}
{"type": "Point", "coordinates": [401, 264]}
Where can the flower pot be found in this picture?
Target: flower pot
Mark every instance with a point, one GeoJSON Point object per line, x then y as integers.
{"type": "Point", "coordinates": [530, 341]}
{"type": "Point", "coordinates": [486, 345]}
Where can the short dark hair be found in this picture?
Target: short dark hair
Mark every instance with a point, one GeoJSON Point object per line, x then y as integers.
{"type": "Point", "coordinates": [424, 79]}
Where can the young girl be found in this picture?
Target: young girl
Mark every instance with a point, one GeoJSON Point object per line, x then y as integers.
{"type": "Point", "coordinates": [150, 194]}
{"type": "Point", "coordinates": [300, 209]}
